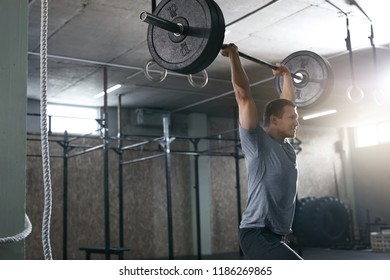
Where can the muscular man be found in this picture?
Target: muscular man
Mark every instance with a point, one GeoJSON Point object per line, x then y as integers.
{"type": "Point", "coordinates": [271, 164]}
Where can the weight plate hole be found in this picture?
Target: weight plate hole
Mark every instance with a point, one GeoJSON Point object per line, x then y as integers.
{"type": "Point", "coordinates": [179, 37]}
{"type": "Point", "coordinates": [181, 30]}
{"type": "Point", "coordinates": [300, 79]}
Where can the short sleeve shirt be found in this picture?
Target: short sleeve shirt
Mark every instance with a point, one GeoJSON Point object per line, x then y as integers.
{"type": "Point", "coordinates": [272, 181]}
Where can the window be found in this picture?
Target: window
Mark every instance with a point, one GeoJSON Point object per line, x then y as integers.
{"type": "Point", "coordinates": [73, 119]}
{"type": "Point", "coordinates": [370, 135]}
{"type": "Point", "coordinates": [384, 132]}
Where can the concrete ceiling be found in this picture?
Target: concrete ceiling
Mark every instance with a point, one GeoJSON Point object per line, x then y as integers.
{"type": "Point", "coordinates": [85, 35]}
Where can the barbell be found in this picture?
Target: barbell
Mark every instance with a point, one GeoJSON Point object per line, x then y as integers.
{"type": "Point", "coordinates": [185, 36]}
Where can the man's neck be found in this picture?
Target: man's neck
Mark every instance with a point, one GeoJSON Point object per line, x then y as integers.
{"type": "Point", "coordinates": [274, 134]}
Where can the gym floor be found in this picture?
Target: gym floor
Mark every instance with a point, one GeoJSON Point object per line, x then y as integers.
{"type": "Point", "coordinates": [339, 254]}
{"type": "Point", "coordinates": [318, 254]}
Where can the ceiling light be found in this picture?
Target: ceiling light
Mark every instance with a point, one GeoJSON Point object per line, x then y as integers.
{"type": "Point", "coordinates": [319, 114]}
{"type": "Point", "coordinates": [111, 89]}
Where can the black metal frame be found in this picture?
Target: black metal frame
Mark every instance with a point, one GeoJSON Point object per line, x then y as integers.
{"type": "Point", "coordinates": [120, 149]}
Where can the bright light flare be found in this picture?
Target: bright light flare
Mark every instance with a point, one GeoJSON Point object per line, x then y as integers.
{"type": "Point", "coordinates": [111, 89]}
{"type": "Point", "coordinates": [319, 114]}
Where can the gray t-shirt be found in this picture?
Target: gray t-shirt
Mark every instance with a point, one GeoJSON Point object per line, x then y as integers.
{"type": "Point", "coordinates": [272, 181]}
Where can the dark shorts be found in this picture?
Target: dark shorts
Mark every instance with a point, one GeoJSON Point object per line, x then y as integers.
{"type": "Point", "coordinates": [263, 244]}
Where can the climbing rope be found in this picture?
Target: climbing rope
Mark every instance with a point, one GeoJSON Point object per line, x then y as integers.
{"type": "Point", "coordinates": [20, 236]}
{"type": "Point", "coordinates": [45, 135]}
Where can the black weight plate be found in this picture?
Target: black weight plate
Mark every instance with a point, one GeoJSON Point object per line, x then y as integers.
{"type": "Point", "coordinates": [216, 39]}
{"type": "Point", "coordinates": [318, 77]}
{"type": "Point", "coordinates": [192, 52]}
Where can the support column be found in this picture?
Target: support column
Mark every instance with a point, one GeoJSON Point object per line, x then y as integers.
{"type": "Point", "coordinates": [13, 104]}
{"type": "Point", "coordinates": [346, 160]}
{"type": "Point", "coordinates": [167, 143]}
{"type": "Point", "coordinates": [106, 174]}
{"type": "Point", "coordinates": [197, 127]}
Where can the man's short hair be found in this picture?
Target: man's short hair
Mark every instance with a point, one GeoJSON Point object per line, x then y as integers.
{"type": "Point", "coordinates": [275, 107]}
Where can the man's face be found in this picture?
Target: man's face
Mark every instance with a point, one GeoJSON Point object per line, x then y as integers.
{"type": "Point", "coordinates": [289, 122]}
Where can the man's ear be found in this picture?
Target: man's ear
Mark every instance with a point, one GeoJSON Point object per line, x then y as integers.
{"type": "Point", "coordinates": [273, 119]}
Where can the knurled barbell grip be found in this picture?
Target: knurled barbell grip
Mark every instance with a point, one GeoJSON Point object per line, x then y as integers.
{"type": "Point", "coordinates": [258, 61]}
{"type": "Point", "coordinates": [162, 23]}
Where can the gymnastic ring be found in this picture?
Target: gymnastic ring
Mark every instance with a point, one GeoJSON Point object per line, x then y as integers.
{"type": "Point", "coordinates": [200, 85]}
{"type": "Point", "coordinates": [355, 93]}
{"type": "Point", "coordinates": [149, 76]}
{"type": "Point", "coordinates": [379, 97]}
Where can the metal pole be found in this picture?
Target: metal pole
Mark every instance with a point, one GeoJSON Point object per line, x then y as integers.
{"type": "Point", "coordinates": [168, 184]}
{"type": "Point", "coordinates": [143, 159]}
{"type": "Point", "coordinates": [349, 48]}
{"type": "Point", "coordinates": [50, 132]}
{"type": "Point", "coordinates": [162, 23]}
{"type": "Point", "coordinates": [87, 151]}
{"type": "Point", "coordinates": [65, 197]}
{"type": "Point", "coordinates": [106, 175]}
{"type": "Point", "coordinates": [120, 175]}
{"type": "Point", "coordinates": [197, 201]}
{"type": "Point", "coordinates": [237, 164]}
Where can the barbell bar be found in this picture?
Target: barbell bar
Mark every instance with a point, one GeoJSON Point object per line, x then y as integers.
{"type": "Point", "coordinates": [179, 30]}
{"type": "Point", "coordinates": [196, 30]}
{"type": "Point", "coordinates": [175, 28]}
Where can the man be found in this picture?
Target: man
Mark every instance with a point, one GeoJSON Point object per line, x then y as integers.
{"type": "Point", "coordinates": [271, 165]}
